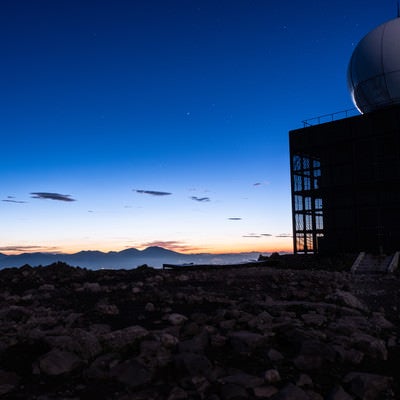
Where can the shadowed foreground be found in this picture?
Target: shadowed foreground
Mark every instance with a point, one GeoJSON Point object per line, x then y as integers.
{"type": "Point", "coordinates": [227, 333]}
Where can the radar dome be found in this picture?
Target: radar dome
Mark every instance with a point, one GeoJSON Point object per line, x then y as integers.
{"type": "Point", "coordinates": [373, 74]}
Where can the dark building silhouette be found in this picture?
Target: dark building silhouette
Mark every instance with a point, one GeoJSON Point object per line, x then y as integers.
{"type": "Point", "coordinates": [346, 184]}
{"type": "Point", "coordinates": [345, 174]}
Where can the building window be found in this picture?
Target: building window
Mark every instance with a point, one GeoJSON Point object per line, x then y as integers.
{"type": "Point", "coordinates": [319, 222]}
{"type": "Point", "coordinates": [299, 222]}
{"type": "Point", "coordinates": [298, 203]}
{"type": "Point", "coordinates": [307, 203]}
{"type": "Point", "coordinates": [298, 186]}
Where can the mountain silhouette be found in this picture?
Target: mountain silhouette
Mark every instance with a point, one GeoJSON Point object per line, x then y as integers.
{"type": "Point", "coordinates": [153, 256]}
{"type": "Point", "coordinates": [157, 251]}
{"type": "Point", "coordinates": [130, 251]}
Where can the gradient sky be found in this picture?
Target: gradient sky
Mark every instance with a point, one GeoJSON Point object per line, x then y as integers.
{"type": "Point", "coordinates": [131, 123]}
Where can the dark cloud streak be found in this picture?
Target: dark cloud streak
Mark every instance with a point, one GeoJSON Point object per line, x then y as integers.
{"type": "Point", "coordinates": [200, 199]}
{"type": "Point", "coordinates": [260, 183]}
{"type": "Point", "coordinates": [51, 196]}
{"type": "Point", "coordinates": [153, 192]}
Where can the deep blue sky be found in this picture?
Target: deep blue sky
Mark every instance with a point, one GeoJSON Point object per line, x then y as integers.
{"type": "Point", "coordinates": [110, 102]}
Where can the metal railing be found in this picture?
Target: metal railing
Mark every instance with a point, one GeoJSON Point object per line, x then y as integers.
{"type": "Point", "coordinates": [330, 117]}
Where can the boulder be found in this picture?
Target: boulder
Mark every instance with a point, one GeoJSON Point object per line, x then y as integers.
{"type": "Point", "coordinates": [153, 354]}
{"type": "Point", "coordinates": [131, 373]}
{"type": "Point", "coordinates": [230, 391]}
{"type": "Point", "coordinates": [176, 319]}
{"type": "Point", "coordinates": [106, 309]}
{"type": "Point", "coordinates": [338, 393]}
{"type": "Point", "coordinates": [59, 362]}
{"type": "Point", "coordinates": [264, 392]}
{"type": "Point", "coordinates": [242, 379]}
{"type": "Point", "coordinates": [272, 376]}
{"type": "Point", "coordinates": [149, 307]}
{"type": "Point", "coordinates": [373, 347]}
{"type": "Point", "coordinates": [368, 386]}
{"type": "Point", "coordinates": [192, 364]}
{"type": "Point", "coordinates": [347, 299]}
{"type": "Point", "coordinates": [99, 369]}
{"type": "Point", "coordinates": [83, 343]}
{"type": "Point", "coordinates": [177, 393]}
{"type": "Point", "coordinates": [123, 338]}
{"type": "Point", "coordinates": [93, 287]}
{"type": "Point", "coordinates": [313, 355]}
{"type": "Point", "coordinates": [291, 392]}
{"type": "Point", "coordinates": [245, 341]}
{"type": "Point", "coordinates": [167, 340]}
{"type": "Point", "coordinates": [195, 345]}
{"type": "Point", "coordinates": [275, 355]}
{"type": "Point", "coordinates": [8, 381]}
{"type": "Point", "coordinates": [304, 380]}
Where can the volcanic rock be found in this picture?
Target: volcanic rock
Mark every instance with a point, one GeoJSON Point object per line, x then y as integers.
{"type": "Point", "coordinates": [58, 362]}
{"type": "Point", "coordinates": [234, 332]}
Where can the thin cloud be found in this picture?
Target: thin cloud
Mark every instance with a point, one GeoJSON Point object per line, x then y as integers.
{"type": "Point", "coordinates": [284, 235]}
{"type": "Point", "coordinates": [22, 249]}
{"type": "Point", "coordinates": [235, 219]}
{"type": "Point", "coordinates": [200, 199]}
{"type": "Point", "coordinates": [51, 196]}
{"type": "Point", "coordinates": [261, 183]}
{"type": "Point", "coordinates": [153, 192]}
{"type": "Point", "coordinates": [194, 189]}
{"type": "Point", "coordinates": [251, 235]}
{"type": "Point", "coordinates": [9, 200]}
{"type": "Point", "coordinates": [257, 235]}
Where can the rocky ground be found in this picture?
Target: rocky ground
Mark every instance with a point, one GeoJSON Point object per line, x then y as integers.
{"type": "Point", "coordinates": [218, 334]}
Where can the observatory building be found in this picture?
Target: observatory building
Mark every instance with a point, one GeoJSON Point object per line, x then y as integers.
{"type": "Point", "coordinates": [345, 173]}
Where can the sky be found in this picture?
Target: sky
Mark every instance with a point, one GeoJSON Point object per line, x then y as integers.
{"type": "Point", "coordinates": [133, 123]}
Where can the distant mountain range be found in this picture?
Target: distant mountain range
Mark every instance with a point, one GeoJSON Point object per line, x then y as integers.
{"type": "Point", "coordinates": [130, 258]}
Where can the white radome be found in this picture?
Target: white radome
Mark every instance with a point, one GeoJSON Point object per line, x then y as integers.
{"type": "Point", "coordinates": [373, 74]}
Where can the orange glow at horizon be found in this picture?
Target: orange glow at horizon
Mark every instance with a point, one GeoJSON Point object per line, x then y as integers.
{"type": "Point", "coordinates": [280, 245]}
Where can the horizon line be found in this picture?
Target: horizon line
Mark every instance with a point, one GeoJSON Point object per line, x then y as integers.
{"type": "Point", "coordinates": [141, 249]}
